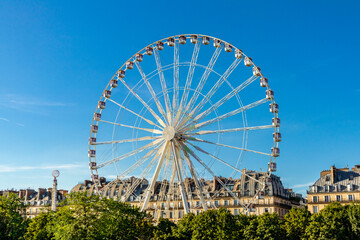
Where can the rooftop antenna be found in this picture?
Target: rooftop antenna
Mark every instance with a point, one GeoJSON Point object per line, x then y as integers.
{"type": "Point", "coordinates": [55, 174]}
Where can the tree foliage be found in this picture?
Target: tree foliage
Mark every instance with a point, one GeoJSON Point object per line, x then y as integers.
{"type": "Point", "coordinates": [12, 224]}
{"type": "Point", "coordinates": [330, 223]}
{"type": "Point", "coordinates": [40, 228]}
{"type": "Point", "coordinates": [92, 217]}
{"type": "Point", "coordinates": [89, 217]}
{"type": "Point", "coordinates": [164, 230]}
{"type": "Point", "coordinates": [295, 223]}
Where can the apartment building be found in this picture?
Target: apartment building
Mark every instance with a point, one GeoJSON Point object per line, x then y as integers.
{"type": "Point", "coordinates": [334, 185]}
{"type": "Point", "coordinates": [163, 203]}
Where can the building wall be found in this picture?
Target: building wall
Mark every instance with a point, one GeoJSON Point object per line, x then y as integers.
{"type": "Point", "coordinates": [335, 185]}
{"type": "Point", "coordinates": [275, 198]}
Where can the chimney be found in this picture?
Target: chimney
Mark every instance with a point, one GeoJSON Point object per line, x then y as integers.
{"type": "Point", "coordinates": [21, 193]}
{"type": "Point", "coordinates": [28, 192]}
{"type": "Point", "coordinates": [40, 192]}
{"type": "Point", "coordinates": [333, 174]}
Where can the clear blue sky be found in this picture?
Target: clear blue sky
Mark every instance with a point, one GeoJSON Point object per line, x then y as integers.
{"type": "Point", "coordinates": [57, 56]}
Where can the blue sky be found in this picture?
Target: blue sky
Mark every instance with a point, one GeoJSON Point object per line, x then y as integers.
{"type": "Point", "coordinates": [57, 57]}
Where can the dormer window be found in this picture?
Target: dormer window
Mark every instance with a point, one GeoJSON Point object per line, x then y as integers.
{"type": "Point", "coordinates": [351, 177]}
{"type": "Point", "coordinates": [327, 178]}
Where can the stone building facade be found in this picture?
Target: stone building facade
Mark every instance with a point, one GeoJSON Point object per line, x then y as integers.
{"type": "Point", "coordinates": [334, 185]}
{"type": "Point", "coordinates": [36, 201]}
{"type": "Point", "coordinates": [275, 198]}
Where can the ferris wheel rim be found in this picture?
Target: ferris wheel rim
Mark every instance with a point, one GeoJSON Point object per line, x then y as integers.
{"type": "Point", "coordinates": [163, 40]}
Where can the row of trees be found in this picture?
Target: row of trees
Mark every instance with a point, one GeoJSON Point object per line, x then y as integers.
{"type": "Point", "coordinates": [89, 217]}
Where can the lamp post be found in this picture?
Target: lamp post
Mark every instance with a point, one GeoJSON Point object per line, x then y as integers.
{"type": "Point", "coordinates": [55, 174]}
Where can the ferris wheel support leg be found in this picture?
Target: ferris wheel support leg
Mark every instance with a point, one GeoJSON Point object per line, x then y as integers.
{"type": "Point", "coordinates": [187, 158]}
{"type": "Point", "coordinates": [178, 171]}
{"type": "Point", "coordinates": [156, 174]}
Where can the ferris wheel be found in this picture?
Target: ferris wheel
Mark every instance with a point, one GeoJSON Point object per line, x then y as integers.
{"type": "Point", "coordinates": [182, 111]}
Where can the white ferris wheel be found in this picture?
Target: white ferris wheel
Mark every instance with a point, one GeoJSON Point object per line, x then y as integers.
{"type": "Point", "coordinates": [181, 111]}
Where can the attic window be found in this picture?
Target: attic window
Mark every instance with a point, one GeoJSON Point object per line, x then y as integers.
{"type": "Point", "coordinates": [351, 177]}
{"type": "Point", "coordinates": [327, 178]}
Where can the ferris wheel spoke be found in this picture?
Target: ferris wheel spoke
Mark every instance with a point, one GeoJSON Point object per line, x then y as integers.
{"type": "Point", "coordinates": [129, 126]}
{"type": "Point", "coordinates": [190, 75]}
{"type": "Point", "coordinates": [137, 164]}
{"type": "Point", "coordinates": [226, 115]}
{"type": "Point", "coordinates": [225, 98]}
{"type": "Point", "coordinates": [139, 179]}
{"type": "Point", "coordinates": [223, 145]}
{"type": "Point", "coordinates": [197, 183]}
{"type": "Point", "coordinates": [187, 149]}
{"type": "Point", "coordinates": [146, 147]}
{"type": "Point", "coordinates": [229, 130]}
{"type": "Point", "coordinates": [203, 79]}
{"type": "Point", "coordinates": [227, 164]}
{"type": "Point", "coordinates": [151, 90]}
{"type": "Point", "coordinates": [156, 175]}
{"type": "Point", "coordinates": [163, 84]}
{"type": "Point", "coordinates": [161, 122]}
{"type": "Point", "coordinates": [178, 172]}
{"type": "Point", "coordinates": [128, 140]}
{"type": "Point", "coordinates": [217, 85]}
{"type": "Point", "coordinates": [147, 120]}
{"type": "Point", "coordinates": [176, 76]}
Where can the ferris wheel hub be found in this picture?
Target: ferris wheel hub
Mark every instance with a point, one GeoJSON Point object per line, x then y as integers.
{"type": "Point", "coordinates": [169, 133]}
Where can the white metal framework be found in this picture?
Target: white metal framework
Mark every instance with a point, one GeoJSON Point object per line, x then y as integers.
{"type": "Point", "coordinates": [176, 117]}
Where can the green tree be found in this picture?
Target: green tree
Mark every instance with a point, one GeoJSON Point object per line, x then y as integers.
{"type": "Point", "coordinates": [295, 223]}
{"type": "Point", "coordinates": [242, 221]}
{"type": "Point", "coordinates": [214, 224]}
{"type": "Point", "coordinates": [269, 227]}
{"type": "Point", "coordinates": [122, 221]}
{"type": "Point", "coordinates": [12, 222]}
{"type": "Point", "coordinates": [330, 223]}
{"type": "Point", "coordinates": [77, 218]}
{"type": "Point", "coordinates": [89, 217]}
{"type": "Point", "coordinates": [354, 219]}
{"type": "Point", "coordinates": [40, 227]}
{"type": "Point", "coordinates": [266, 226]}
{"type": "Point", "coordinates": [251, 227]}
{"type": "Point", "coordinates": [184, 227]}
{"type": "Point", "coordinates": [164, 230]}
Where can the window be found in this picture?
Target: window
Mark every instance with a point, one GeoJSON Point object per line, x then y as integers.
{"type": "Point", "coordinates": [246, 186]}
{"type": "Point", "coordinates": [315, 199]}
{"type": "Point", "coordinates": [231, 187]}
{"type": "Point", "coordinates": [162, 205]}
{"type": "Point", "coordinates": [326, 199]}
{"type": "Point", "coordinates": [236, 202]}
{"type": "Point", "coordinates": [180, 204]}
{"type": "Point", "coordinates": [216, 203]}
{"type": "Point", "coordinates": [236, 212]}
{"type": "Point", "coordinates": [338, 197]}
{"type": "Point", "coordinates": [180, 214]}
{"type": "Point", "coordinates": [327, 178]}
{"type": "Point", "coordinates": [266, 210]}
{"type": "Point", "coordinates": [197, 203]}
{"type": "Point", "coordinates": [350, 198]}
{"type": "Point", "coordinates": [170, 215]}
{"type": "Point", "coordinates": [315, 209]}
{"type": "Point", "coordinates": [226, 203]}
{"type": "Point", "coordinates": [351, 177]}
